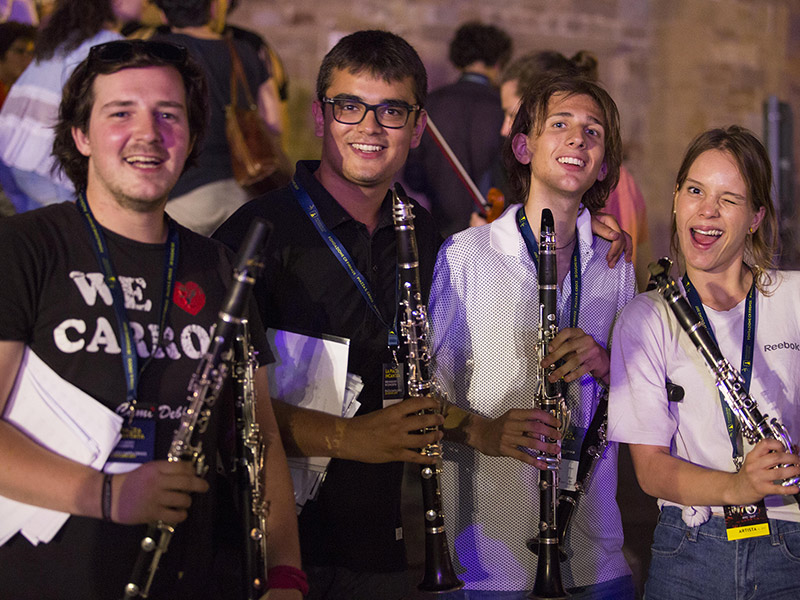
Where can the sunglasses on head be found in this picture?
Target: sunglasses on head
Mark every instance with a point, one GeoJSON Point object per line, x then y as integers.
{"type": "Point", "coordinates": [123, 50]}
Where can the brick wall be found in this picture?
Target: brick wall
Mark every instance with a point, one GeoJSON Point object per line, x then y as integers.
{"type": "Point", "coordinates": [675, 67]}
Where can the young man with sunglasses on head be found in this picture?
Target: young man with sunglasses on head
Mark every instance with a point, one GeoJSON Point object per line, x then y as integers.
{"type": "Point", "coordinates": [79, 279]}
{"type": "Point", "coordinates": [369, 112]}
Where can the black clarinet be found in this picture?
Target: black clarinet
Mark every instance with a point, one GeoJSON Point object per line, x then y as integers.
{"type": "Point", "coordinates": [204, 388]}
{"type": "Point", "coordinates": [439, 575]}
{"type": "Point", "coordinates": [249, 468]}
{"type": "Point", "coordinates": [755, 426]}
{"type": "Point", "coordinates": [550, 398]}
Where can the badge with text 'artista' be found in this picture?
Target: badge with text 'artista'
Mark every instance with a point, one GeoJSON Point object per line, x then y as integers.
{"type": "Point", "coordinates": [749, 520]}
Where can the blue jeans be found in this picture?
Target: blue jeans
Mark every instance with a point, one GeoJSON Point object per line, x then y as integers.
{"type": "Point", "coordinates": [700, 563]}
{"type": "Point", "coordinates": [621, 588]}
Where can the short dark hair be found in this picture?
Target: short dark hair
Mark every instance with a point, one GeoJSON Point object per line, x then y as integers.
{"type": "Point", "coordinates": [379, 53]}
{"type": "Point", "coordinates": [475, 41]}
{"type": "Point", "coordinates": [531, 117]}
{"type": "Point", "coordinates": [78, 98]}
{"type": "Point", "coordinates": [186, 13]}
{"type": "Point", "coordinates": [754, 166]}
{"type": "Point", "coordinates": [11, 31]}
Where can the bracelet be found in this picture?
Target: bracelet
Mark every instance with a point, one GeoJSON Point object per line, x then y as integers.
{"type": "Point", "coordinates": [105, 504]}
{"type": "Point", "coordinates": [287, 577]}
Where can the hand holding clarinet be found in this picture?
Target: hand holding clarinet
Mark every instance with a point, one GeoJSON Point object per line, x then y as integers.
{"type": "Point", "coordinates": [439, 575]}
{"type": "Point", "coordinates": [186, 450]}
{"type": "Point", "coordinates": [774, 448]}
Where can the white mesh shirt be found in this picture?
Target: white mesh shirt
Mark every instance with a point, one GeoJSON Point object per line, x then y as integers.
{"type": "Point", "coordinates": [484, 313]}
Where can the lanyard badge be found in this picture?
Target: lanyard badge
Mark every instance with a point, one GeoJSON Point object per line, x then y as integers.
{"type": "Point", "coordinates": [130, 359]}
{"type": "Point", "coordinates": [392, 376]}
{"type": "Point", "coordinates": [748, 520]}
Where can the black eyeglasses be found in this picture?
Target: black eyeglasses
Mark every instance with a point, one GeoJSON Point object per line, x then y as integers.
{"type": "Point", "coordinates": [123, 50]}
{"type": "Point", "coordinates": [351, 112]}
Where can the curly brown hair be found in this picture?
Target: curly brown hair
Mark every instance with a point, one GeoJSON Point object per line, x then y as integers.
{"type": "Point", "coordinates": [475, 41]}
{"type": "Point", "coordinates": [78, 98]}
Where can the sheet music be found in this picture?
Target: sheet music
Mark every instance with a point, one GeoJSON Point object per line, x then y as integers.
{"type": "Point", "coordinates": [311, 372]}
{"type": "Point", "coordinates": [64, 419]}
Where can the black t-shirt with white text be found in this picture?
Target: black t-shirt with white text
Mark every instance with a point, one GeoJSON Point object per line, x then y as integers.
{"type": "Point", "coordinates": [54, 298]}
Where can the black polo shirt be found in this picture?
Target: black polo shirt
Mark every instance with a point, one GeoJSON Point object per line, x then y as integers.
{"type": "Point", "coordinates": [355, 521]}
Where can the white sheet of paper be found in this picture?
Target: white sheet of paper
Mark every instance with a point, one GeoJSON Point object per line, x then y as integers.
{"type": "Point", "coordinates": [311, 372]}
{"type": "Point", "coordinates": [64, 419]}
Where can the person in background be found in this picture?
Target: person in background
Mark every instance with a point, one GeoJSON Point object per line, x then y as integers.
{"type": "Point", "coordinates": [625, 202]}
{"type": "Point", "coordinates": [20, 11]}
{"type": "Point", "coordinates": [279, 76]}
{"type": "Point", "coordinates": [77, 276]}
{"type": "Point", "coordinates": [31, 108]}
{"type": "Point", "coordinates": [727, 527]}
{"type": "Point", "coordinates": [16, 53]}
{"type": "Point", "coordinates": [207, 193]}
{"type": "Point", "coordinates": [468, 114]}
{"type": "Point", "coordinates": [153, 21]}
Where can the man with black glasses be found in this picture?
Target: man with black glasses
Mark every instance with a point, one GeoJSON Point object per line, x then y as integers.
{"type": "Point", "coordinates": [82, 278]}
{"type": "Point", "coordinates": [331, 271]}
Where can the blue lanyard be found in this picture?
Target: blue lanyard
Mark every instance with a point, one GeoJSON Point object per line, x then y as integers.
{"type": "Point", "coordinates": [748, 347]}
{"type": "Point", "coordinates": [344, 258]}
{"type": "Point", "coordinates": [130, 359]}
{"type": "Point", "coordinates": [575, 272]}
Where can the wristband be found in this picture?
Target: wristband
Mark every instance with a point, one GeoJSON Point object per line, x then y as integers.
{"type": "Point", "coordinates": [287, 577]}
{"type": "Point", "coordinates": [105, 504]}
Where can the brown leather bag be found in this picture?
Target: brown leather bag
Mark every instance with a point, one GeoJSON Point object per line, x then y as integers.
{"type": "Point", "coordinates": [258, 161]}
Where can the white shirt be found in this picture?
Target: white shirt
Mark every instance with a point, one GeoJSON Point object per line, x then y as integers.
{"type": "Point", "coordinates": [485, 316]}
{"type": "Point", "coordinates": [650, 346]}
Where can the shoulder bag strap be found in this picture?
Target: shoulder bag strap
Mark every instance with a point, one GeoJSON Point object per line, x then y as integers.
{"type": "Point", "coordinates": [237, 74]}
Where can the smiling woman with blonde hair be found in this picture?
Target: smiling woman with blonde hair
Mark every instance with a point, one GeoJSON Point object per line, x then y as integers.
{"type": "Point", "coordinates": [727, 526]}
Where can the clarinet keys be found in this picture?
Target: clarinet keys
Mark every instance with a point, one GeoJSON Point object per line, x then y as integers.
{"type": "Point", "coordinates": [549, 397]}
{"type": "Point", "coordinates": [439, 575]}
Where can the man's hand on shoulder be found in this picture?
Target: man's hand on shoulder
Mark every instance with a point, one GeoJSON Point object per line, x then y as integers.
{"type": "Point", "coordinates": [606, 227]}
{"type": "Point", "coordinates": [476, 220]}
